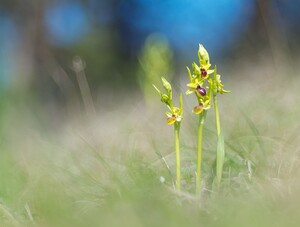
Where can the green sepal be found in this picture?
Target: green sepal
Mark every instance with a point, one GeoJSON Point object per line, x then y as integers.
{"type": "Point", "coordinates": [189, 92]}
{"type": "Point", "coordinates": [189, 72]}
{"type": "Point", "coordinates": [169, 114]}
{"type": "Point", "coordinates": [215, 82]}
{"type": "Point", "coordinates": [196, 68]}
{"type": "Point", "coordinates": [180, 104]}
{"type": "Point", "coordinates": [156, 89]}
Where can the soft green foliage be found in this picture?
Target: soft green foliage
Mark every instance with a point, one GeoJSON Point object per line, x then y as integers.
{"type": "Point", "coordinates": [77, 177]}
{"type": "Point", "coordinates": [220, 158]}
{"type": "Point", "coordinates": [105, 172]}
{"type": "Point", "coordinates": [155, 60]}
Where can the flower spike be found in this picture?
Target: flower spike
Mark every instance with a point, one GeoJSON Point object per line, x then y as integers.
{"type": "Point", "coordinates": [175, 114]}
{"type": "Point", "coordinates": [174, 117]}
{"type": "Point", "coordinates": [205, 87]}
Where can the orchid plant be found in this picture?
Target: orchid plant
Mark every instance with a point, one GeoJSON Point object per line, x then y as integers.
{"type": "Point", "coordinates": [206, 87]}
{"type": "Point", "coordinates": [174, 116]}
{"type": "Point", "coordinates": [206, 84]}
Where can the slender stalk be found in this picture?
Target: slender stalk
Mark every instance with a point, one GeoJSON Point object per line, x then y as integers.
{"type": "Point", "coordinates": [214, 95]}
{"type": "Point", "coordinates": [217, 115]}
{"type": "Point", "coordinates": [199, 153]}
{"type": "Point", "coordinates": [177, 154]}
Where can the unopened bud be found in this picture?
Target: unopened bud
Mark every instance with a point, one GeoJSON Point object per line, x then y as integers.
{"type": "Point", "coordinates": [165, 99]}
{"type": "Point", "coordinates": [203, 55]}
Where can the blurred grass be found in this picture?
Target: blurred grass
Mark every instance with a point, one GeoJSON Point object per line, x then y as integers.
{"type": "Point", "coordinates": [105, 171]}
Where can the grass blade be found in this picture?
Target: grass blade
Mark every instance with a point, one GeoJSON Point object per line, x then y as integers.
{"type": "Point", "coordinates": [220, 158]}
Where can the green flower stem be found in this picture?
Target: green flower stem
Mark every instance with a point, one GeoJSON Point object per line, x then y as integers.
{"type": "Point", "coordinates": [217, 115]}
{"type": "Point", "coordinates": [199, 153]}
{"type": "Point", "coordinates": [177, 154]}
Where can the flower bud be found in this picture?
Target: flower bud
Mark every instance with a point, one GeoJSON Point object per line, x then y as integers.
{"type": "Point", "coordinates": [203, 55]}
{"type": "Point", "coordinates": [166, 85]}
{"type": "Point", "coordinates": [165, 99]}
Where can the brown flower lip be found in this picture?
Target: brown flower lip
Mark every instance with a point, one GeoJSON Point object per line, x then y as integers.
{"type": "Point", "coordinates": [203, 72]}
{"type": "Point", "coordinates": [198, 109]}
{"type": "Point", "coordinates": [201, 90]}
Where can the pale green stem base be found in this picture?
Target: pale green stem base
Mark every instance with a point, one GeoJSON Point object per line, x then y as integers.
{"type": "Point", "coordinates": [177, 154]}
{"type": "Point", "coordinates": [199, 153]}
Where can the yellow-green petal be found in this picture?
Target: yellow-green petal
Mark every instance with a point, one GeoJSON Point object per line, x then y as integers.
{"type": "Point", "coordinates": [192, 85]}
{"type": "Point", "coordinates": [222, 91]}
{"type": "Point", "coordinates": [169, 114]}
{"type": "Point", "coordinates": [210, 71]}
{"type": "Point", "coordinates": [190, 91]}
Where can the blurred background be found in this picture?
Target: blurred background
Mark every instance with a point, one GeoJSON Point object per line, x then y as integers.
{"type": "Point", "coordinates": [83, 133]}
{"type": "Point", "coordinates": [40, 41]}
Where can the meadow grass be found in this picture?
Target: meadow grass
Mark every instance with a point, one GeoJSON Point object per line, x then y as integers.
{"type": "Point", "coordinates": [106, 171]}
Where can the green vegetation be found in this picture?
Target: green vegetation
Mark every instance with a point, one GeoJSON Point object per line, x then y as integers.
{"type": "Point", "coordinates": [117, 169]}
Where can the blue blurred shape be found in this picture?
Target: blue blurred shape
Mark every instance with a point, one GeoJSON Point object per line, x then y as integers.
{"type": "Point", "coordinates": [217, 24]}
{"type": "Point", "coordinates": [102, 11]}
{"type": "Point", "coordinates": [288, 12]}
{"type": "Point", "coordinates": [66, 23]}
{"type": "Point", "coordinates": [8, 41]}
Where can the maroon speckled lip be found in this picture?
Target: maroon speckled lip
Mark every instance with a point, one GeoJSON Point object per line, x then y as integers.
{"type": "Point", "coordinates": [201, 90]}
{"type": "Point", "coordinates": [203, 72]}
